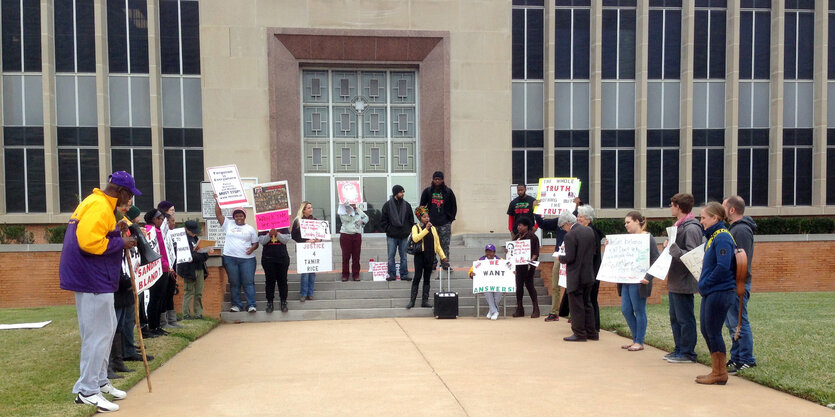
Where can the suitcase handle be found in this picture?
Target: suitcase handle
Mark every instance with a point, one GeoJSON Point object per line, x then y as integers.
{"type": "Point", "coordinates": [448, 280]}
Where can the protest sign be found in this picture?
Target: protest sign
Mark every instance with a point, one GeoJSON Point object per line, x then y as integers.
{"type": "Point", "coordinates": [315, 229]}
{"type": "Point", "coordinates": [379, 270]}
{"type": "Point", "coordinates": [350, 192]}
{"type": "Point", "coordinates": [226, 183]}
{"type": "Point", "coordinates": [557, 195]}
{"type": "Point", "coordinates": [493, 275]}
{"type": "Point", "coordinates": [693, 260]}
{"type": "Point", "coordinates": [146, 276]}
{"type": "Point", "coordinates": [563, 274]}
{"type": "Point", "coordinates": [272, 205]}
{"type": "Point", "coordinates": [314, 257]}
{"type": "Point", "coordinates": [207, 205]}
{"type": "Point", "coordinates": [661, 266]}
{"type": "Point", "coordinates": [518, 251]}
{"type": "Point", "coordinates": [215, 232]}
{"type": "Point", "coordinates": [180, 239]}
{"type": "Point", "coordinates": [626, 259]}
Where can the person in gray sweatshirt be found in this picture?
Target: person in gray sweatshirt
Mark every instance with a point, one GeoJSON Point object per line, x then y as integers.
{"type": "Point", "coordinates": [742, 228]}
{"type": "Point", "coordinates": [681, 285]}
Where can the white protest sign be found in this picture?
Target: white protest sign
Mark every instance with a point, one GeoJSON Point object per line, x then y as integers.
{"type": "Point", "coordinates": [207, 205]}
{"type": "Point", "coordinates": [315, 229]}
{"type": "Point", "coordinates": [693, 260]}
{"type": "Point", "coordinates": [661, 266]}
{"type": "Point", "coordinates": [557, 195]}
{"type": "Point", "coordinates": [226, 183]}
{"type": "Point", "coordinates": [519, 251]}
{"type": "Point", "coordinates": [180, 239]}
{"type": "Point", "coordinates": [493, 275]}
{"type": "Point", "coordinates": [314, 257]}
{"type": "Point", "coordinates": [146, 275]}
{"type": "Point", "coordinates": [626, 259]}
{"type": "Point", "coordinates": [214, 231]}
{"type": "Point", "coordinates": [563, 277]}
{"type": "Point", "coordinates": [379, 270]}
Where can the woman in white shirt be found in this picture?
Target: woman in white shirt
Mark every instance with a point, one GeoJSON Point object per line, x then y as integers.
{"type": "Point", "coordinates": [239, 256]}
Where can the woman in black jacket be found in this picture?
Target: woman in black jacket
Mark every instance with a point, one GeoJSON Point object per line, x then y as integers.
{"type": "Point", "coordinates": [276, 261]}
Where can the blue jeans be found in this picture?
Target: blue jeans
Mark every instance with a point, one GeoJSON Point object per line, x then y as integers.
{"type": "Point", "coordinates": [634, 309]}
{"type": "Point", "coordinates": [393, 245]}
{"type": "Point", "coordinates": [712, 316]}
{"type": "Point", "coordinates": [306, 283]}
{"type": "Point", "coordinates": [241, 272]}
{"type": "Point", "coordinates": [742, 350]}
{"type": "Point", "coordinates": [683, 323]}
{"type": "Point", "coordinates": [125, 322]}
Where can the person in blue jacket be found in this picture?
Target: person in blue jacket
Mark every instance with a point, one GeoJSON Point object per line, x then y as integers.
{"type": "Point", "coordinates": [717, 285]}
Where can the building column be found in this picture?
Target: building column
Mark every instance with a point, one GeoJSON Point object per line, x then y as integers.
{"type": "Point", "coordinates": [102, 88]}
{"type": "Point", "coordinates": [821, 76]}
{"type": "Point", "coordinates": [685, 168]}
{"type": "Point", "coordinates": [548, 61]}
{"type": "Point", "coordinates": [155, 100]}
{"type": "Point", "coordinates": [50, 140]}
{"type": "Point", "coordinates": [641, 76]}
{"type": "Point", "coordinates": [775, 151]}
{"type": "Point", "coordinates": [731, 99]}
{"type": "Point", "coordinates": [595, 77]}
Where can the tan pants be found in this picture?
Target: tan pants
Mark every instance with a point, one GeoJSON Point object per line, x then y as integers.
{"type": "Point", "coordinates": [555, 289]}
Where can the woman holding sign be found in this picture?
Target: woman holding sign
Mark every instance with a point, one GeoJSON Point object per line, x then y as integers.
{"type": "Point", "coordinates": [717, 285]}
{"type": "Point", "coordinates": [633, 301]}
{"type": "Point", "coordinates": [425, 259]}
{"type": "Point", "coordinates": [524, 273]}
{"type": "Point", "coordinates": [239, 256]}
{"type": "Point", "coordinates": [350, 238]}
{"type": "Point", "coordinates": [307, 280]}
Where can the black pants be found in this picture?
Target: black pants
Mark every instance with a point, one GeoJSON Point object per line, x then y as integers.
{"type": "Point", "coordinates": [157, 302]}
{"type": "Point", "coordinates": [275, 272]}
{"type": "Point", "coordinates": [524, 278]}
{"type": "Point", "coordinates": [594, 305]}
{"type": "Point", "coordinates": [582, 313]}
{"type": "Point", "coordinates": [565, 311]}
{"type": "Point", "coordinates": [169, 294]}
{"type": "Point", "coordinates": [423, 268]}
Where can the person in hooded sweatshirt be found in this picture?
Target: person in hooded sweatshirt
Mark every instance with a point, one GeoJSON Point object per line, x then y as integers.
{"type": "Point", "coordinates": [440, 200]}
{"type": "Point", "coordinates": [397, 220]}
{"type": "Point", "coordinates": [742, 228]}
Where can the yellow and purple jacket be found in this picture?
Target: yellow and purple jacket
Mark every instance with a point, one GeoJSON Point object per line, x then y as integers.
{"type": "Point", "coordinates": [92, 254]}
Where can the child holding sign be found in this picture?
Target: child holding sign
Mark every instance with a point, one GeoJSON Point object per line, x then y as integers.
{"type": "Point", "coordinates": [493, 298]}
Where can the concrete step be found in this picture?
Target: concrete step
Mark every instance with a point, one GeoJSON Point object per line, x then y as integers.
{"type": "Point", "coordinates": [464, 300]}
{"type": "Point", "coordinates": [338, 284]}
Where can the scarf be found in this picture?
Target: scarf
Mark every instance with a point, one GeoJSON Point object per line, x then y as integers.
{"type": "Point", "coordinates": [685, 218]}
{"type": "Point", "coordinates": [397, 211]}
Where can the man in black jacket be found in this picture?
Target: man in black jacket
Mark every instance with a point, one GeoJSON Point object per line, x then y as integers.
{"type": "Point", "coordinates": [579, 267]}
{"type": "Point", "coordinates": [742, 228]}
{"type": "Point", "coordinates": [440, 201]}
{"type": "Point", "coordinates": [397, 220]}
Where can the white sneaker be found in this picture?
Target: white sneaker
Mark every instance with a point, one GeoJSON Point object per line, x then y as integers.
{"type": "Point", "coordinates": [101, 403]}
{"type": "Point", "coordinates": [235, 309]}
{"type": "Point", "coordinates": [496, 315]}
{"type": "Point", "coordinates": [115, 392]}
{"type": "Point", "coordinates": [251, 309]}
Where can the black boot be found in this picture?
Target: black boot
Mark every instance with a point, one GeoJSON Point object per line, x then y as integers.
{"type": "Point", "coordinates": [425, 297]}
{"type": "Point", "coordinates": [270, 307]}
{"type": "Point", "coordinates": [284, 306]}
{"type": "Point", "coordinates": [412, 296]}
{"type": "Point", "coordinates": [116, 361]}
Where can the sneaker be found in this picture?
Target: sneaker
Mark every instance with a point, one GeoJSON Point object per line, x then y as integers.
{"type": "Point", "coordinates": [552, 317]}
{"type": "Point", "coordinates": [283, 306]}
{"type": "Point", "coordinates": [669, 355]}
{"type": "Point", "coordinates": [495, 316]}
{"type": "Point", "coordinates": [115, 392]}
{"type": "Point", "coordinates": [739, 367]}
{"type": "Point", "coordinates": [679, 359]}
{"type": "Point", "coordinates": [98, 400]}
{"type": "Point", "coordinates": [251, 309]}
{"type": "Point", "coordinates": [235, 309]}
{"type": "Point", "coordinates": [270, 307]}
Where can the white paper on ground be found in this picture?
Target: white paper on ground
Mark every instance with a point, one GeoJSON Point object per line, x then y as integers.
{"type": "Point", "coordinates": [37, 325]}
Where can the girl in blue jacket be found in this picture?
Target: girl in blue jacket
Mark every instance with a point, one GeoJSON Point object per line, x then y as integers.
{"type": "Point", "coordinates": [717, 286]}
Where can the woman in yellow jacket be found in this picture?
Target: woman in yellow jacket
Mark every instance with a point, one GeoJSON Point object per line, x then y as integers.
{"type": "Point", "coordinates": [426, 257]}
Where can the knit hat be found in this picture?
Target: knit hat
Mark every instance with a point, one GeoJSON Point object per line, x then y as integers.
{"type": "Point", "coordinates": [420, 211]}
{"type": "Point", "coordinates": [238, 210]}
{"type": "Point", "coordinates": [133, 212]}
{"type": "Point", "coordinates": [164, 205]}
{"type": "Point", "coordinates": [438, 174]}
{"type": "Point", "coordinates": [396, 189]}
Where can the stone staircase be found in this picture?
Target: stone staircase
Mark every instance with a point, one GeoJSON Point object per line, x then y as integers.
{"type": "Point", "coordinates": [337, 300]}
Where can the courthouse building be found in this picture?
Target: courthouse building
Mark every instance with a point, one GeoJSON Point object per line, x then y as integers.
{"type": "Point", "coordinates": [639, 99]}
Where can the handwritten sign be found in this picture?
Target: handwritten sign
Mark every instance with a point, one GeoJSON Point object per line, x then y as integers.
{"type": "Point", "coordinates": [563, 273]}
{"type": "Point", "coordinates": [493, 275]}
{"type": "Point", "coordinates": [272, 205]}
{"type": "Point", "coordinates": [226, 183]}
{"type": "Point", "coordinates": [207, 202]}
{"type": "Point", "coordinates": [379, 270]}
{"type": "Point", "coordinates": [661, 266]}
{"type": "Point", "coordinates": [146, 275]}
{"type": "Point", "coordinates": [518, 251]}
{"type": "Point", "coordinates": [215, 232]}
{"type": "Point", "coordinates": [180, 239]}
{"type": "Point", "coordinates": [626, 259]}
{"type": "Point", "coordinates": [557, 195]}
{"type": "Point", "coordinates": [693, 260]}
{"type": "Point", "coordinates": [350, 192]}
{"type": "Point", "coordinates": [315, 229]}
{"type": "Point", "coordinates": [314, 257]}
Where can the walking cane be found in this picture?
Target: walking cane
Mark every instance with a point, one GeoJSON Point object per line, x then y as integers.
{"type": "Point", "coordinates": [741, 274]}
{"type": "Point", "coordinates": [138, 324]}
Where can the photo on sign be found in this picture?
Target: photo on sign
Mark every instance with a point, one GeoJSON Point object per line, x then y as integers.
{"type": "Point", "coordinates": [271, 197]}
{"type": "Point", "coordinates": [350, 192]}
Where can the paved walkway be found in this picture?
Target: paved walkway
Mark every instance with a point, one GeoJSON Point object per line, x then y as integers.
{"type": "Point", "coordinates": [429, 367]}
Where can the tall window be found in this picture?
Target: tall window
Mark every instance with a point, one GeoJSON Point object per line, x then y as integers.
{"type": "Point", "coordinates": [182, 118]}
{"type": "Point", "coordinates": [129, 83]}
{"type": "Point", "coordinates": [754, 99]}
{"type": "Point", "coordinates": [798, 103]}
{"type": "Point", "coordinates": [618, 105]}
{"type": "Point", "coordinates": [23, 135]}
{"type": "Point", "coordinates": [75, 96]}
{"type": "Point", "coordinates": [709, 101]}
{"type": "Point", "coordinates": [571, 106]}
{"type": "Point", "coordinates": [663, 101]}
{"type": "Point", "coordinates": [528, 91]}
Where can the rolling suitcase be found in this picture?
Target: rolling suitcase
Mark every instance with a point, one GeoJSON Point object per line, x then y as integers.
{"type": "Point", "coordinates": [446, 302]}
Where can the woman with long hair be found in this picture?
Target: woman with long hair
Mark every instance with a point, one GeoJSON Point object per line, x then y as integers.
{"type": "Point", "coordinates": [633, 303]}
{"type": "Point", "coordinates": [427, 236]}
{"type": "Point", "coordinates": [308, 280]}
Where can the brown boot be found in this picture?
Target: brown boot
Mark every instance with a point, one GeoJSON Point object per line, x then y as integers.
{"type": "Point", "coordinates": [535, 312]}
{"type": "Point", "coordinates": [719, 375]}
{"type": "Point", "coordinates": [520, 309]}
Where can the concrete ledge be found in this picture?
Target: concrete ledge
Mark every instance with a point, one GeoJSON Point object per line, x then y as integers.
{"type": "Point", "coordinates": [43, 247]}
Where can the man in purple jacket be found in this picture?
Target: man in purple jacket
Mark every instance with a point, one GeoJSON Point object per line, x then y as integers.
{"type": "Point", "coordinates": [91, 260]}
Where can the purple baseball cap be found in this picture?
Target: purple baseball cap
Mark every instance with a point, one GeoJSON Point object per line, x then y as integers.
{"type": "Point", "coordinates": [490, 247]}
{"type": "Point", "coordinates": [123, 179]}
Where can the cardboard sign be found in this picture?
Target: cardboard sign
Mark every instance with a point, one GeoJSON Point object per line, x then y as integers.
{"type": "Point", "coordinates": [493, 275]}
{"type": "Point", "coordinates": [204, 246]}
{"type": "Point", "coordinates": [661, 266]}
{"type": "Point", "coordinates": [314, 257]}
{"type": "Point", "coordinates": [180, 239]}
{"type": "Point", "coordinates": [227, 184]}
{"type": "Point", "coordinates": [272, 205]}
{"type": "Point", "coordinates": [215, 232]}
{"type": "Point", "coordinates": [557, 195]}
{"type": "Point", "coordinates": [379, 270]}
{"type": "Point", "coordinates": [350, 192]}
{"type": "Point", "coordinates": [693, 260]}
{"type": "Point", "coordinates": [315, 229]}
{"type": "Point", "coordinates": [626, 259]}
{"type": "Point", "coordinates": [518, 251]}
{"type": "Point", "coordinates": [207, 202]}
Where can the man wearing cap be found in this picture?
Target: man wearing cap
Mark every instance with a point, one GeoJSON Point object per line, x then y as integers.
{"type": "Point", "coordinates": [440, 200]}
{"type": "Point", "coordinates": [397, 220]}
{"type": "Point", "coordinates": [579, 268]}
{"type": "Point", "coordinates": [91, 260]}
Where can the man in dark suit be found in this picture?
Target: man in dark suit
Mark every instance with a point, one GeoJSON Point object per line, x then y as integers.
{"type": "Point", "coordinates": [579, 265]}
